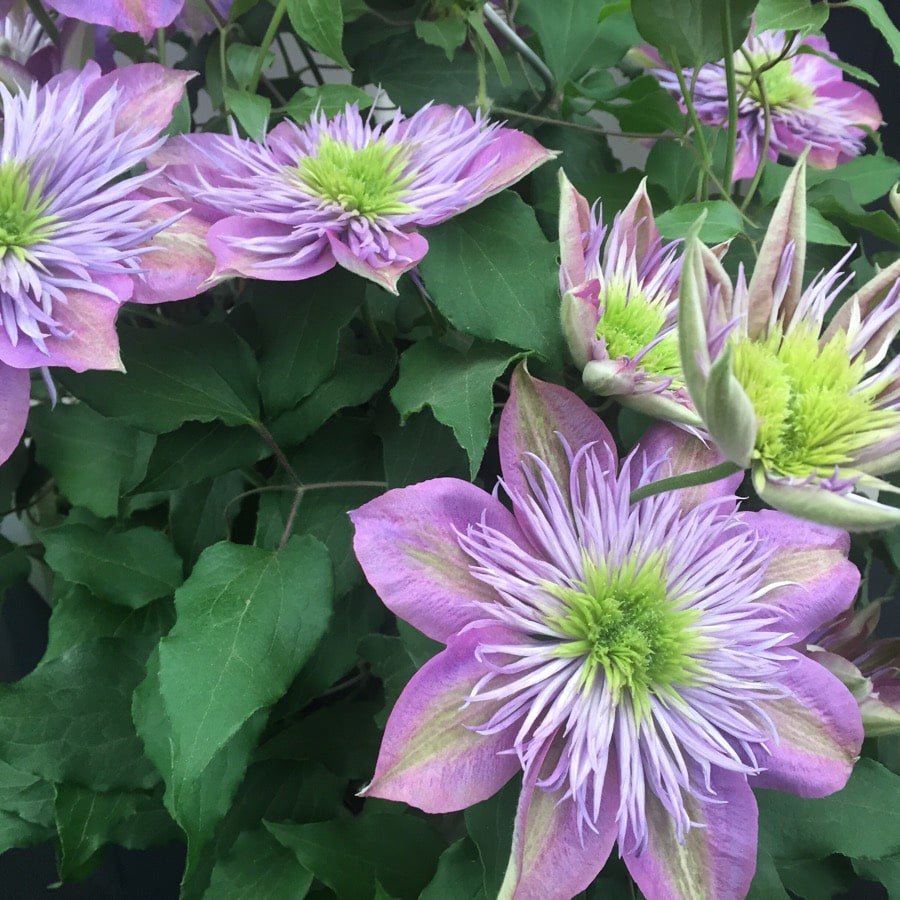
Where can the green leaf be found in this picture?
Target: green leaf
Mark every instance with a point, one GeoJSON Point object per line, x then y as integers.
{"type": "Point", "coordinates": [392, 663]}
{"type": "Point", "coordinates": [691, 30]}
{"type": "Point", "coordinates": [25, 796]}
{"type": "Point", "coordinates": [447, 32]}
{"type": "Point", "coordinates": [674, 168]}
{"type": "Point", "coordinates": [242, 62]}
{"type": "Point", "coordinates": [251, 110]}
{"type": "Point", "coordinates": [129, 568]}
{"type": "Point", "coordinates": [722, 223]}
{"type": "Point", "coordinates": [490, 826]}
{"type": "Point", "coordinates": [175, 375]}
{"type": "Point", "coordinates": [573, 38]}
{"type": "Point", "coordinates": [329, 99]}
{"type": "Point", "coordinates": [259, 867]}
{"type": "Point", "coordinates": [459, 388]}
{"type": "Point", "coordinates": [766, 883]}
{"type": "Point", "coordinates": [357, 377]}
{"type": "Point", "coordinates": [398, 850]}
{"type": "Point", "coordinates": [69, 720]}
{"type": "Point", "coordinates": [853, 71]}
{"type": "Point", "coordinates": [356, 614]}
{"type": "Point", "coordinates": [820, 231]}
{"type": "Point", "coordinates": [855, 822]}
{"type": "Point", "coordinates": [87, 820]}
{"type": "Point", "coordinates": [198, 803]}
{"type": "Point", "coordinates": [493, 274]}
{"type": "Point", "coordinates": [458, 875]}
{"type": "Point", "coordinates": [880, 18]}
{"type": "Point", "coordinates": [200, 514]}
{"type": "Point", "coordinates": [299, 331]}
{"type": "Point", "coordinates": [418, 449]}
{"type": "Point", "coordinates": [885, 871]}
{"type": "Point", "coordinates": [243, 631]}
{"type": "Point", "coordinates": [93, 459]}
{"type": "Point", "coordinates": [644, 107]}
{"type": "Point", "coordinates": [321, 24]}
{"type": "Point", "coordinates": [791, 15]}
{"type": "Point", "coordinates": [200, 450]}
{"type": "Point", "coordinates": [868, 178]}
{"type": "Point", "coordinates": [79, 617]}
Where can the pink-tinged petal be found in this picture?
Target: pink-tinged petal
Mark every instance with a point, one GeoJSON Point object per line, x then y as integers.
{"type": "Point", "coordinates": [853, 512]}
{"type": "Point", "coordinates": [859, 107]}
{"type": "Point", "coordinates": [430, 755]}
{"type": "Point", "coordinates": [810, 562]}
{"type": "Point", "coordinates": [15, 393]}
{"type": "Point", "coordinates": [637, 225]}
{"type": "Point", "coordinates": [408, 546]}
{"type": "Point", "coordinates": [863, 304]}
{"type": "Point", "coordinates": [142, 16]}
{"type": "Point", "coordinates": [579, 321]}
{"type": "Point", "coordinates": [148, 94]}
{"type": "Point", "coordinates": [180, 262]}
{"type": "Point", "coordinates": [746, 157]}
{"type": "Point", "coordinates": [787, 225]}
{"type": "Point", "coordinates": [410, 248]}
{"type": "Point", "coordinates": [716, 860]}
{"type": "Point", "coordinates": [819, 729]}
{"type": "Point", "coordinates": [574, 221]}
{"type": "Point", "coordinates": [685, 453]}
{"type": "Point", "coordinates": [845, 671]}
{"type": "Point", "coordinates": [534, 418]}
{"type": "Point", "coordinates": [509, 157]}
{"type": "Point", "coordinates": [551, 856]}
{"type": "Point", "coordinates": [93, 344]}
{"type": "Point", "coordinates": [197, 19]}
{"type": "Point", "coordinates": [237, 243]}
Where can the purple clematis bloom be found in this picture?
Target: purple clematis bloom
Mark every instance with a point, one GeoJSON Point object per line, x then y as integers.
{"type": "Point", "coordinates": [620, 304]}
{"type": "Point", "coordinates": [869, 668]}
{"type": "Point", "coordinates": [344, 191]}
{"type": "Point", "coordinates": [640, 664]}
{"type": "Point", "coordinates": [79, 234]}
{"type": "Point", "coordinates": [811, 105]}
{"type": "Point", "coordinates": [145, 16]}
{"type": "Point", "coordinates": [815, 412]}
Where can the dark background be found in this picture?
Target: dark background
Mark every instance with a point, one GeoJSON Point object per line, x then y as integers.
{"type": "Point", "coordinates": [155, 874]}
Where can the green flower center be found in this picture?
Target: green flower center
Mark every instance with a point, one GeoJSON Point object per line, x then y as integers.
{"type": "Point", "coordinates": [368, 182]}
{"type": "Point", "coordinates": [811, 417]}
{"type": "Point", "coordinates": [782, 88]}
{"type": "Point", "coordinates": [624, 624]}
{"type": "Point", "coordinates": [631, 321]}
{"type": "Point", "coordinates": [23, 219]}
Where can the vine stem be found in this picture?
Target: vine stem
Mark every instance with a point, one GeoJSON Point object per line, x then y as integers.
{"type": "Point", "coordinates": [278, 453]}
{"type": "Point", "coordinates": [688, 479]}
{"type": "Point", "coordinates": [731, 82]}
{"type": "Point", "coordinates": [268, 37]}
{"type": "Point", "coordinates": [44, 20]}
{"type": "Point", "coordinates": [767, 113]}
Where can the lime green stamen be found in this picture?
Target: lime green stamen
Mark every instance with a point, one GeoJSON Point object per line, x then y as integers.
{"type": "Point", "coordinates": [809, 421]}
{"type": "Point", "coordinates": [624, 624]}
{"type": "Point", "coordinates": [368, 182]}
{"type": "Point", "coordinates": [23, 219]}
{"type": "Point", "coordinates": [630, 322]}
{"type": "Point", "coordinates": [781, 86]}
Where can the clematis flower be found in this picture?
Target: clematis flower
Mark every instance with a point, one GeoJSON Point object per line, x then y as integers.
{"type": "Point", "coordinates": [811, 106]}
{"type": "Point", "coordinates": [620, 304]}
{"type": "Point", "coordinates": [815, 412]}
{"type": "Point", "coordinates": [870, 669]}
{"type": "Point", "coordinates": [145, 16]}
{"type": "Point", "coordinates": [637, 663]}
{"type": "Point", "coordinates": [344, 191]}
{"type": "Point", "coordinates": [79, 234]}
